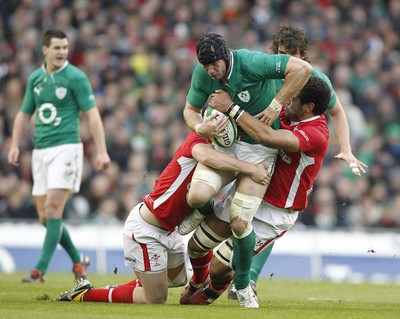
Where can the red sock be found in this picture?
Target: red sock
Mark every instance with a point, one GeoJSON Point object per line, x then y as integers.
{"type": "Point", "coordinates": [134, 283]}
{"type": "Point", "coordinates": [96, 295]}
{"type": "Point", "coordinates": [201, 267]}
{"type": "Point", "coordinates": [119, 294]}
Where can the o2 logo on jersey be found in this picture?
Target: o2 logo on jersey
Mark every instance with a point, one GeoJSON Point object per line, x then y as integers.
{"type": "Point", "coordinates": [48, 114]}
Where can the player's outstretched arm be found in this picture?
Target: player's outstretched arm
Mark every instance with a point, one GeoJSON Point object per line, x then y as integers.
{"type": "Point", "coordinates": [341, 130]}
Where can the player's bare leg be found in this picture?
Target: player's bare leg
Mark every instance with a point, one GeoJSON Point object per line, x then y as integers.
{"type": "Point", "coordinates": [154, 288]}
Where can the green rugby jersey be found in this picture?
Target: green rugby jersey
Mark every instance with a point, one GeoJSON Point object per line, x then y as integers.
{"type": "Point", "coordinates": [322, 76]}
{"type": "Point", "coordinates": [57, 99]}
{"type": "Point", "coordinates": [251, 82]}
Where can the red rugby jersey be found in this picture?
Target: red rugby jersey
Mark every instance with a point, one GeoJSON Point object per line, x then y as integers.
{"type": "Point", "coordinates": [295, 172]}
{"type": "Point", "coordinates": [167, 201]}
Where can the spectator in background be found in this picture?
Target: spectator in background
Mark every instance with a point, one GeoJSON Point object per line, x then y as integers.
{"type": "Point", "coordinates": [107, 213]}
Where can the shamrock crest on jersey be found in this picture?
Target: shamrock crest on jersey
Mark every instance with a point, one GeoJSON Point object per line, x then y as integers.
{"type": "Point", "coordinates": [244, 96]}
{"type": "Point", "coordinates": [61, 93]}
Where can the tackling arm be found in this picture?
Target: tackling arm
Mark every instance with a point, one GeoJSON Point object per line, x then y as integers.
{"type": "Point", "coordinates": [207, 155]}
{"type": "Point", "coordinates": [258, 130]}
{"type": "Point", "coordinates": [267, 136]}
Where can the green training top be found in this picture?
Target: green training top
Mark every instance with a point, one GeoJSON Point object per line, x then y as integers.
{"type": "Point", "coordinates": [251, 82]}
{"type": "Point", "coordinates": [57, 100]}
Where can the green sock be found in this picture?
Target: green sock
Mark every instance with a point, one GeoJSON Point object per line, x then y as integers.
{"type": "Point", "coordinates": [242, 256]}
{"type": "Point", "coordinates": [207, 208]}
{"type": "Point", "coordinates": [69, 246]}
{"type": "Point", "coordinates": [53, 235]}
{"type": "Point", "coordinates": [258, 262]}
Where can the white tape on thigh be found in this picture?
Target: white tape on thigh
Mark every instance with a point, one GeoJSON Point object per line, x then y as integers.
{"type": "Point", "coordinates": [244, 206]}
{"type": "Point", "coordinates": [208, 177]}
{"type": "Point", "coordinates": [205, 238]}
{"type": "Point", "coordinates": [224, 253]}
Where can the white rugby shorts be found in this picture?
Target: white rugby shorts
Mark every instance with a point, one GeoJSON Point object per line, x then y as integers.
{"type": "Point", "coordinates": [57, 167]}
{"type": "Point", "coordinates": [252, 153]}
{"type": "Point", "coordinates": [269, 224]}
{"type": "Point", "coordinates": [148, 248]}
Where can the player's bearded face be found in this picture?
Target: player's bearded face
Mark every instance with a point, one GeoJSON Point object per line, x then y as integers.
{"type": "Point", "coordinates": [216, 70]}
{"type": "Point", "coordinates": [294, 110]}
{"type": "Point", "coordinates": [55, 54]}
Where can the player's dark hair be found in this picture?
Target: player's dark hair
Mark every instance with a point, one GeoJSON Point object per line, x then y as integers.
{"type": "Point", "coordinates": [53, 33]}
{"type": "Point", "coordinates": [293, 39]}
{"type": "Point", "coordinates": [212, 47]}
{"type": "Point", "coordinates": [316, 91]}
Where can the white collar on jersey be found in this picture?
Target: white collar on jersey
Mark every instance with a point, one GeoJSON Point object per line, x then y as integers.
{"type": "Point", "coordinates": [292, 123]}
{"type": "Point", "coordinates": [59, 70]}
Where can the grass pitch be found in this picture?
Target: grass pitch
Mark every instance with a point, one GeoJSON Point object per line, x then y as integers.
{"type": "Point", "coordinates": [278, 299]}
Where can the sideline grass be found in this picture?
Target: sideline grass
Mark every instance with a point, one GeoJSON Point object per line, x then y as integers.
{"type": "Point", "coordinates": [278, 299]}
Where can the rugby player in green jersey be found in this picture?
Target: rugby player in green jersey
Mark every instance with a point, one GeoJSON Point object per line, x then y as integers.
{"type": "Point", "coordinates": [57, 93]}
{"type": "Point", "coordinates": [291, 40]}
{"type": "Point", "coordinates": [249, 78]}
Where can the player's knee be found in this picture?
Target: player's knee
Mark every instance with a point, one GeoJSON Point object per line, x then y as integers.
{"type": "Point", "coordinates": [157, 297]}
{"type": "Point", "coordinates": [205, 184]}
{"type": "Point", "coordinates": [198, 198]}
{"type": "Point", "coordinates": [239, 227]}
{"type": "Point", "coordinates": [242, 211]}
{"type": "Point", "coordinates": [180, 279]}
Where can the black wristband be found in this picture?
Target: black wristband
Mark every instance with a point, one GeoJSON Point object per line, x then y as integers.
{"type": "Point", "coordinates": [235, 111]}
{"type": "Point", "coordinates": [230, 108]}
{"type": "Point", "coordinates": [238, 114]}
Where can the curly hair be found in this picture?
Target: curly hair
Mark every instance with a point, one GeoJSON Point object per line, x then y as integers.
{"type": "Point", "coordinates": [293, 39]}
{"type": "Point", "coordinates": [318, 92]}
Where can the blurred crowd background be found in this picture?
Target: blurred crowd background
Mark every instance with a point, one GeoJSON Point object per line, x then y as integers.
{"type": "Point", "coordinates": [139, 56]}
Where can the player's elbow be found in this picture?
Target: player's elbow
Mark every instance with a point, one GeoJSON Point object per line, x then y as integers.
{"type": "Point", "coordinates": [299, 67]}
{"type": "Point", "coordinates": [308, 67]}
{"type": "Point", "coordinates": [305, 66]}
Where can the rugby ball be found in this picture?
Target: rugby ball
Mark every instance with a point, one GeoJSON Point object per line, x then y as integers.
{"type": "Point", "coordinates": [230, 130]}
